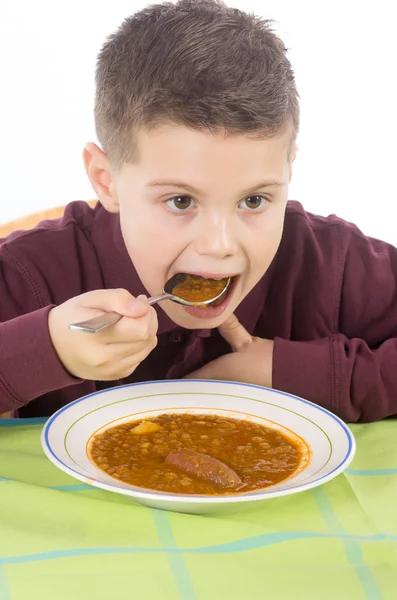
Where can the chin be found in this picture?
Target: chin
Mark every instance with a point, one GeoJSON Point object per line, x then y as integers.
{"type": "Point", "coordinates": [189, 321]}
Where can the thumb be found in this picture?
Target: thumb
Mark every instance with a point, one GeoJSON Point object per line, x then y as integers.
{"type": "Point", "coordinates": [235, 334]}
{"type": "Point", "coordinates": [138, 307]}
{"type": "Point", "coordinates": [117, 300]}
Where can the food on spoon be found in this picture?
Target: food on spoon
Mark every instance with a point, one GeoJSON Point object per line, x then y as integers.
{"type": "Point", "coordinates": [198, 289]}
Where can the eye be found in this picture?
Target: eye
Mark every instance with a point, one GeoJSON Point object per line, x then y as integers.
{"type": "Point", "coordinates": [254, 202]}
{"type": "Point", "coordinates": [179, 203]}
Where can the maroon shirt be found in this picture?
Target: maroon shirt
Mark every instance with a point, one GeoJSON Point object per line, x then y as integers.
{"type": "Point", "coordinates": [328, 300]}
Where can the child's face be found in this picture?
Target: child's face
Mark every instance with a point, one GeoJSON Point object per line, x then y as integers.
{"type": "Point", "coordinates": [203, 203]}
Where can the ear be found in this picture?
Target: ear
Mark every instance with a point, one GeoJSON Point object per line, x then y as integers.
{"type": "Point", "coordinates": [99, 173]}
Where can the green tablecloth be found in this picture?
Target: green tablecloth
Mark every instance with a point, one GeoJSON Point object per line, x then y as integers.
{"type": "Point", "coordinates": [63, 540]}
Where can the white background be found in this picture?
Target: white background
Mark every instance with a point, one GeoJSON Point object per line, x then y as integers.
{"type": "Point", "coordinates": [344, 54]}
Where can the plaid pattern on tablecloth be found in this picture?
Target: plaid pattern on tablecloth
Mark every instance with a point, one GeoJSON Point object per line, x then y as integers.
{"type": "Point", "coordinates": [61, 539]}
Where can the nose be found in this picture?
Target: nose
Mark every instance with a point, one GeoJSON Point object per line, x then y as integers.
{"type": "Point", "coordinates": [216, 236]}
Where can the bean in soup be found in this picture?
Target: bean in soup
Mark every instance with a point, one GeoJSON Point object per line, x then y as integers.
{"type": "Point", "coordinates": [197, 454]}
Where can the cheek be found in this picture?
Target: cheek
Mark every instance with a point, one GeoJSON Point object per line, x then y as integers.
{"type": "Point", "coordinates": [264, 241]}
{"type": "Point", "coordinates": [140, 236]}
{"type": "Point", "coordinates": [137, 225]}
{"type": "Point", "coordinates": [151, 246]}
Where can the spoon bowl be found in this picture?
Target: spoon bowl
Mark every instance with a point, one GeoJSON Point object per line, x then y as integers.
{"type": "Point", "coordinates": [110, 318]}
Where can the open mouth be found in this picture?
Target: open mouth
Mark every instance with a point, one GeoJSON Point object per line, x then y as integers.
{"type": "Point", "coordinates": [199, 288]}
{"type": "Point", "coordinates": [223, 296]}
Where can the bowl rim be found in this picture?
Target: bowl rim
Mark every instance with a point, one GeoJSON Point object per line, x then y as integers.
{"type": "Point", "coordinates": [192, 498]}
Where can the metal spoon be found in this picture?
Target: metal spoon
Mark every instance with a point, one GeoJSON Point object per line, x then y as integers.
{"type": "Point", "coordinates": [98, 323]}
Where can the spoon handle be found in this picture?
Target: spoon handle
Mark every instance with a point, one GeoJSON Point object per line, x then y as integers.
{"type": "Point", "coordinates": [155, 299]}
{"type": "Point", "coordinates": [110, 318]}
{"type": "Point", "coordinates": [97, 323]}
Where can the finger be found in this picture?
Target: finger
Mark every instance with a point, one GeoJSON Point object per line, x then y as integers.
{"type": "Point", "coordinates": [235, 334]}
{"type": "Point", "coordinates": [117, 352]}
{"type": "Point", "coordinates": [130, 330]}
{"type": "Point", "coordinates": [125, 365]}
{"type": "Point", "coordinates": [120, 351]}
{"type": "Point", "coordinates": [121, 359]}
{"type": "Point", "coordinates": [117, 300]}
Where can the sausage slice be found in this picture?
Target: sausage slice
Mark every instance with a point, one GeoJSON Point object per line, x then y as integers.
{"type": "Point", "coordinates": [204, 467]}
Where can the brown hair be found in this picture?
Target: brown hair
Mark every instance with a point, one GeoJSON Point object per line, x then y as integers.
{"type": "Point", "coordinates": [198, 63]}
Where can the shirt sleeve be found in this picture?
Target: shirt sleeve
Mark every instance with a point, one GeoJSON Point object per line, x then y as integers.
{"type": "Point", "coordinates": [29, 364]}
{"type": "Point", "coordinates": [353, 371]}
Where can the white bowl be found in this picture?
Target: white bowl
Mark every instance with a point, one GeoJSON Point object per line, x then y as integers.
{"type": "Point", "coordinates": [330, 442]}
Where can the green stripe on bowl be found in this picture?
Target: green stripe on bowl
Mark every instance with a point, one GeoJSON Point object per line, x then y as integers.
{"type": "Point", "coordinates": [199, 394]}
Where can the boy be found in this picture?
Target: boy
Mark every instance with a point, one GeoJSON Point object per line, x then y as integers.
{"type": "Point", "coordinates": [197, 115]}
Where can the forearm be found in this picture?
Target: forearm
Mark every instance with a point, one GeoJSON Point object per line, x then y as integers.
{"type": "Point", "coordinates": [29, 365]}
{"type": "Point", "coordinates": [344, 376]}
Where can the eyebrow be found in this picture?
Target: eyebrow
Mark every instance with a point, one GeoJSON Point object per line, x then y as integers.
{"type": "Point", "coordinates": [186, 186]}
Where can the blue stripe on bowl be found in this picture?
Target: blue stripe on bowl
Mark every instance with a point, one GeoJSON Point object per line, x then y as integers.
{"type": "Point", "coordinates": [343, 426]}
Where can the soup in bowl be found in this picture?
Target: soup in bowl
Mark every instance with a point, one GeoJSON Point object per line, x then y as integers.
{"type": "Point", "coordinates": [198, 446]}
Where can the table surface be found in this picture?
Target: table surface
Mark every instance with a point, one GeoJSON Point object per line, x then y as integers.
{"type": "Point", "coordinates": [61, 539]}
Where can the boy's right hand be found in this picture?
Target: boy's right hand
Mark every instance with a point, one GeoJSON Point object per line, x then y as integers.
{"type": "Point", "coordinates": [113, 353]}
